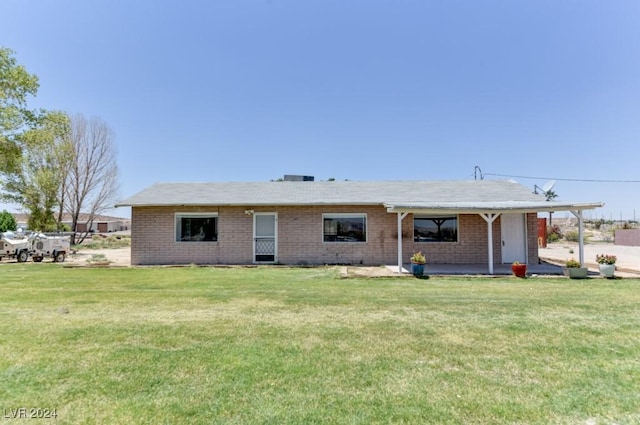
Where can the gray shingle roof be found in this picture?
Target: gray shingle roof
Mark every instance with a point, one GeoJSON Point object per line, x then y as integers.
{"type": "Point", "coordinates": [395, 195]}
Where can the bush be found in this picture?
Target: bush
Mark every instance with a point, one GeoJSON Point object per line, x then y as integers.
{"type": "Point", "coordinates": [553, 233]}
{"type": "Point", "coordinates": [572, 236]}
{"type": "Point", "coordinates": [7, 221]}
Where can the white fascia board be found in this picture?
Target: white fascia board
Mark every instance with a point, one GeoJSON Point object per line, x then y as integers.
{"type": "Point", "coordinates": [465, 209]}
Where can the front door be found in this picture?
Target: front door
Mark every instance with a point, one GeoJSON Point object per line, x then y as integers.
{"type": "Point", "coordinates": [265, 235]}
{"type": "Point", "coordinates": [514, 238]}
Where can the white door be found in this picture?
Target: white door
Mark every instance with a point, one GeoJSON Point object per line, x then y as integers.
{"type": "Point", "coordinates": [265, 235]}
{"type": "Point", "coordinates": [514, 238]}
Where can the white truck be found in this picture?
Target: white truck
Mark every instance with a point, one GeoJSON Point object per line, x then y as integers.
{"type": "Point", "coordinates": [56, 247]}
{"type": "Point", "coordinates": [13, 245]}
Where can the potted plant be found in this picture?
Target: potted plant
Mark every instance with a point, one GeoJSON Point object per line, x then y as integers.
{"type": "Point", "coordinates": [519, 270]}
{"type": "Point", "coordinates": [418, 261]}
{"type": "Point", "coordinates": [575, 270]}
{"type": "Point", "coordinates": [606, 264]}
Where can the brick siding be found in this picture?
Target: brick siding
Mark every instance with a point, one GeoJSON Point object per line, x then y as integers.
{"type": "Point", "coordinates": [300, 238]}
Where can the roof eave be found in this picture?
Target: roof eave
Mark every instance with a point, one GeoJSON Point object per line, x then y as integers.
{"type": "Point", "coordinates": [493, 210]}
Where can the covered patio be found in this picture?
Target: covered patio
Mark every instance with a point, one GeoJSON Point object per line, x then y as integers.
{"type": "Point", "coordinates": [489, 211]}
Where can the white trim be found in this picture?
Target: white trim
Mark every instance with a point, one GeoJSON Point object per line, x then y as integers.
{"type": "Point", "coordinates": [401, 217]}
{"type": "Point", "coordinates": [490, 218]}
{"type": "Point", "coordinates": [578, 214]}
{"type": "Point", "coordinates": [346, 215]}
{"type": "Point", "coordinates": [275, 237]}
{"type": "Point", "coordinates": [201, 214]}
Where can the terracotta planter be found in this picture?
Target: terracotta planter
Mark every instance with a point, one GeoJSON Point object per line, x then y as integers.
{"type": "Point", "coordinates": [607, 270]}
{"type": "Point", "coordinates": [519, 270]}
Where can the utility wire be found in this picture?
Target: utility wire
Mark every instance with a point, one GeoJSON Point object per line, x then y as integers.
{"type": "Point", "coordinates": [563, 179]}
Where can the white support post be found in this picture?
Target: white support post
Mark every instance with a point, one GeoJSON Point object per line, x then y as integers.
{"type": "Point", "coordinates": [401, 217]}
{"type": "Point", "coordinates": [578, 214]}
{"type": "Point", "coordinates": [490, 218]}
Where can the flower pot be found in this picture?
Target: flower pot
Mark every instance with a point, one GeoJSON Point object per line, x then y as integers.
{"type": "Point", "coordinates": [607, 270]}
{"type": "Point", "coordinates": [577, 272]}
{"type": "Point", "coordinates": [417, 269]}
{"type": "Point", "coordinates": [519, 270]}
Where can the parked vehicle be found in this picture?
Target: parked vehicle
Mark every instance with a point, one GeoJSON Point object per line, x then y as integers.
{"type": "Point", "coordinates": [36, 245]}
{"type": "Point", "coordinates": [14, 246]}
{"type": "Point", "coordinates": [56, 247]}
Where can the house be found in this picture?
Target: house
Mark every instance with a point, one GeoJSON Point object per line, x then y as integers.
{"type": "Point", "coordinates": [331, 222]}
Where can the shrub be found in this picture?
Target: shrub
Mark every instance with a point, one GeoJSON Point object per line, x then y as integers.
{"type": "Point", "coordinates": [7, 221]}
{"type": "Point", "coordinates": [572, 236]}
{"type": "Point", "coordinates": [554, 234]}
{"type": "Point", "coordinates": [573, 263]}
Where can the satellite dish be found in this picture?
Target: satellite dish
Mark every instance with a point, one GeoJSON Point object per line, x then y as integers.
{"type": "Point", "coordinates": [548, 186]}
{"type": "Point", "coordinates": [544, 189]}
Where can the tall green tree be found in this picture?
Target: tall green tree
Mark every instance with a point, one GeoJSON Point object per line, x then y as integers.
{"type": "Point", "coordinates": [16, 86]}
{"type": "Point", "coordinates": [35, 182]}
{"type": "Point", "coordinates": [34, 147]}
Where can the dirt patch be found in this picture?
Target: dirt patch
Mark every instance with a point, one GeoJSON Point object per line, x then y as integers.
{"type": "Point", "coordinates": [119, 257]}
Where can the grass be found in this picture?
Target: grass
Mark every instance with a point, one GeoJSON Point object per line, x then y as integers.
{"type": "Point", "coordinates": [291, 346]}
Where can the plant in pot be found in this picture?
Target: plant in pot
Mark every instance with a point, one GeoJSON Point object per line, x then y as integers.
{"type": "Point", "coordinates": [575, 270]}
{"type": "Point", "coordinates": [606, 264]}
{"type": "Point", "coordinates": [518, 269]}
{"type": "Point", "coordinates": [418, 261]}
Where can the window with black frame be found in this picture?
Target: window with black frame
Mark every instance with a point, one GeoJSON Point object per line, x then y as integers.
{"type": "Point", "coordinates": [345, 228]}
{"type": "Point", "coordinates": [196, 228]}
{"type": "Point", "coordinates": [435, 228]}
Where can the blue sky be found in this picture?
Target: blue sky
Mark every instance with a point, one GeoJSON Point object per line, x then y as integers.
{"type": "Point", "coordinates": [250, 90]}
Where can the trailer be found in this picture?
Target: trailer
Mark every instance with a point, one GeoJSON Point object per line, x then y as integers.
{"type": "Point", "coordinates": [14, 246]}
{"type": "Point", "coordinates": [56, 247]}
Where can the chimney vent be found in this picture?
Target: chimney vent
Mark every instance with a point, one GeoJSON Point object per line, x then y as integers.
{"type": "Point", "coordinates": [295, 178]}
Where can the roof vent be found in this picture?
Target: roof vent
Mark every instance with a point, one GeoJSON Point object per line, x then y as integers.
{"type": "Point", "coordinates": [294, 178]}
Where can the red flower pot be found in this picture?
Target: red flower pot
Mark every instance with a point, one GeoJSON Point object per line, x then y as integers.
{"type": "Point", "coordinates": [520, 270]}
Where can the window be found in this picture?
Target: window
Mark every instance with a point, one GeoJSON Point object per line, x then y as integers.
{"type": "Point", "coordinates": [345, 227]}
{"type": "Point", "coordinates": [435, 228]}
{"type": "Point", "coordinates": [196, 227]}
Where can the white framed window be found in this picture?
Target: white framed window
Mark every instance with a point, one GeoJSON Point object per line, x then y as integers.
{"type": "Point", "coordinates": [435, 228]}
{"type": "Point", "coordinates": [196, 227]}
{"type": "Point", "coordinates": [344, 227]}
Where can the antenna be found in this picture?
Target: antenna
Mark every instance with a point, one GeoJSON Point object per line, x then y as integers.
{"type": "Point", "coordinates": [477, 171]}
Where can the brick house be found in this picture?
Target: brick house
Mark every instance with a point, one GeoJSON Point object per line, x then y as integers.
{"type": "Point", "coordinates": [330, 222]}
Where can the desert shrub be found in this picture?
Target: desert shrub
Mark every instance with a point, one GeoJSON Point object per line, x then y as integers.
{"type": "Point", "coordinates": [554, 234]}
{"type": "Point", "coordinates": [572, 236]}
{"type": "Point", "coordinates": [111, 241]}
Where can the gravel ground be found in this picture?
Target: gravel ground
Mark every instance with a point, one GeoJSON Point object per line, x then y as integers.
{"type": "Point", "coordinates": [628, 256]}
{"type": "Point", "coordinates": [119, 257]}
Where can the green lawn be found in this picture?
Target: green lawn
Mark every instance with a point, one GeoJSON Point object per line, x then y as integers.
{"type": "Point", "coordinates": [301, 346]}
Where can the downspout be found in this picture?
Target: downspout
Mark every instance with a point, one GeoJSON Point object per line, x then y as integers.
{"type": "Point", "coordinates": [490, 218]}
{"type": "Point", "coordinates": [578, 214]}
{"type": "Point", "coordinates": [401, 217]}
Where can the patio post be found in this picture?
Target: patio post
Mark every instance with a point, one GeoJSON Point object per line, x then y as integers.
{"type": "Point", "coordinates": [401, 217]}
{"type": "Point", "coordinates": [490, 218]}
{"type": "Point", "coordinates": [578, 214]}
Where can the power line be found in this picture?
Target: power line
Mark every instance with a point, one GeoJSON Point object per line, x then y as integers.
{"type": "Point", "coordinates": [563, 179]}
